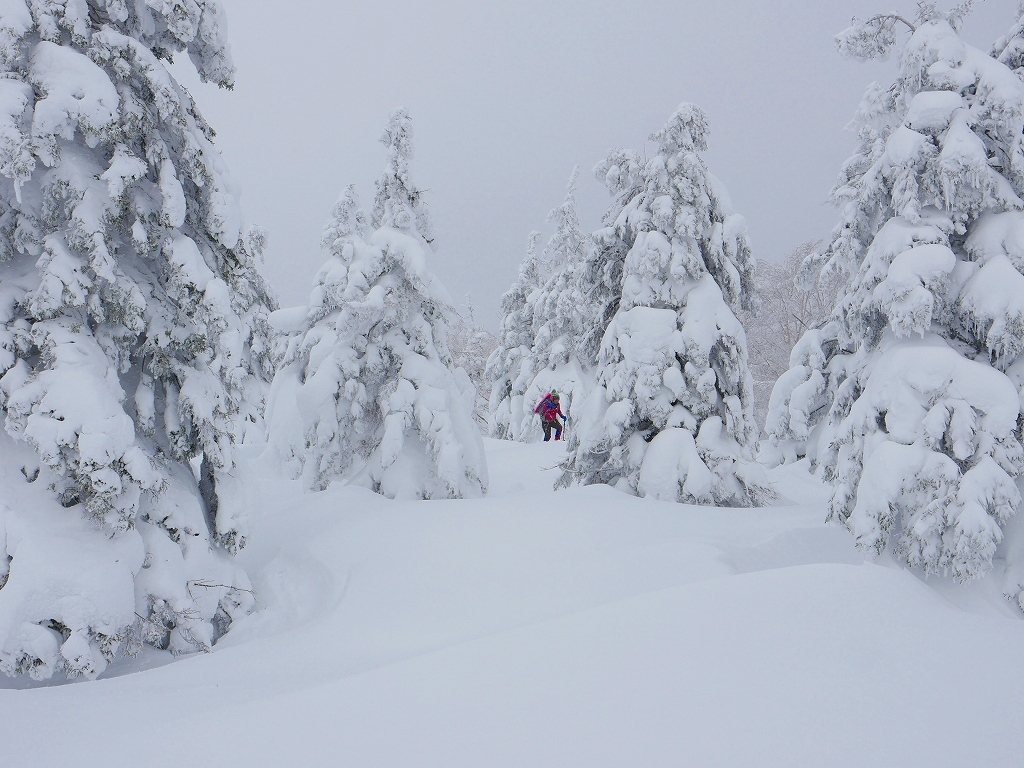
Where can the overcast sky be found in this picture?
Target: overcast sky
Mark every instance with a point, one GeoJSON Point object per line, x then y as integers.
{"type": "Point", "coordinates": [506, 97]}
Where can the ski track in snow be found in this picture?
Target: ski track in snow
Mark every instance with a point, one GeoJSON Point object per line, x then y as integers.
{"type": "Point", "coordinates": [534, 628]}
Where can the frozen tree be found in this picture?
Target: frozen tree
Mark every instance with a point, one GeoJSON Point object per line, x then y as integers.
{"type": "Point", "coordinates": [399, 202]}
{"type": "Point", "coordinates": [788, 308]}
{"type": "Point", "coordinates": [546, 325]}
{"type": "Point", "coordinates": [133, 337]}
{"type": "Point", "coordinates": [601, 271]}
{"type": "Point", "coordinates": [1009, 49]}
{"type": "Point", "coordinates": [560, 315]}
{"type": "Point", "coordinates": [559, 319]}
{"type": "Point", "coordinates": [908, 398]}
{"type": "Point", "coordinates": [671, 416]}
{"type": "Point", "coordinates": [367, 392]}
{"type": "Point", "coordinates": [471, 346]}
{"type": "Point", "coordinates": [509, 367]}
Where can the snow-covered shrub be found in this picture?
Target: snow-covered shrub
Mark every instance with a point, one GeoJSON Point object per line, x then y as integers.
{"type": "Point", "coordinates": [366, 392]}
{"type": "Point", "coordinates": [133, 337]}
{"type": "Point", "coordinates": [542, 330]}
{"type": "Point", "coordinates": [671, 416]}
{"type": "Point", "coordinates": [909, 398]}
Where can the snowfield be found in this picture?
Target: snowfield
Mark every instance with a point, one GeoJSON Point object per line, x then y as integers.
{"type": "Point", "coordinates": [533, 628]}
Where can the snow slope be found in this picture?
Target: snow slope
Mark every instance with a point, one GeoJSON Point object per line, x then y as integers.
{"type": "Point", "coordinates": [533, 628]}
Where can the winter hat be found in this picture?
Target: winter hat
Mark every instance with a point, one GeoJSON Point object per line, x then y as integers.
{"type": "Point", "coordinates": [554, 394]}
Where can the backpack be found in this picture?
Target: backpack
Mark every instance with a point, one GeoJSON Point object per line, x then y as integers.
{"type": "Point", "coordinates": [549, 409]}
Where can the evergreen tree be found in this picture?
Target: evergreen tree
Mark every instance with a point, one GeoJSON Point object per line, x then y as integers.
{"type": "Point", "coordinates": [545, 324]}
{"type": "Point", "coordinates": [601, 271]}
{"type": "Point", "coordinates": [1009, 49]}
{"type": "Point", "coordinates": [671, 416]}
{"type": "Point", "coordinates": [510, 368]}
{"type": "Point", "coordinates": [559, 318]}
{"type": "Point", "coordinates": [133, 337]}
{"type": "Point", "coordinates": [909, 398]}
{"type": "Point", "coordinates": [368, 369]}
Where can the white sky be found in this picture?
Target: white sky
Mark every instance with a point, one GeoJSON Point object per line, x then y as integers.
{"type": "Point", "coordinates": [506, 97]}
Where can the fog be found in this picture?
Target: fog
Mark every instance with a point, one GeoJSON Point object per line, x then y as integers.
{"type": "Point", "coordinates": [507, 97]}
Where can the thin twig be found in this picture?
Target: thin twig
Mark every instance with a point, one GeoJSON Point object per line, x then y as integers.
{"type": "Point", "coordinates": [894, 17]}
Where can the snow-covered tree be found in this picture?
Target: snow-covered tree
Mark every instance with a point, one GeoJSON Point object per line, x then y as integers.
{"type": "Point", "coordinates": [367, 392]}
{"type": "Point", "coordinates": [787, 308]}
{"type": "Point", "coordinates": [544, 323]}
{"type": "Point", "coordinates": [601, 271]}
{"type": "Point", "coordinates": [133, 337]}
{"type": "Point", "coordinates": [560, 317]}
{"type": "Point", "coordinates": [471, 346]}
{"type": "Point", "coordinates": [1009, 49]}
{"type": "Point", "coordinates": [671, 416]}
{"type": "Point", "coordinates": [908, 399]}
{"type": "Point", "coordinates": [510, 368]}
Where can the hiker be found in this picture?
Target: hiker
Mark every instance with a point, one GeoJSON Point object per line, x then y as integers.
{"type": "Point", "coordinates": [549, 411]}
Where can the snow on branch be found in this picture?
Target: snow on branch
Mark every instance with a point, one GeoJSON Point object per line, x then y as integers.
{"type": "Point", "coordinates": [871, 39]}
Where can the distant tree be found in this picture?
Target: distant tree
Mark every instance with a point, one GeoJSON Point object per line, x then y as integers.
{"type": "Point", "coordinates": [560, 318]}
{"type": "Point", "coordinates": [550, 326]}
{"type": "Point", "coordinates": [788, 308]}
{"type": "Point", "coordinates": [671, 416]}
{"type": "Point", "coordinates": [134, 342]}
{"type": "Point", "coordinates": [509, 367]}
{"type": "Point", "coordinates": [369, 371]}
{"type": "Point", "coordinates": [470, 347]}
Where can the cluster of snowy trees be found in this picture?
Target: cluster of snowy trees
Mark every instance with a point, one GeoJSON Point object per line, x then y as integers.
{"type": "Point", "coordinates": [139, 344]}
{"type": "Point", "coordinates": [545, 315]}
{"type": "Point", "coordinates": [637, 324]}
{"type": "Point", "coordinates": [894, 348]}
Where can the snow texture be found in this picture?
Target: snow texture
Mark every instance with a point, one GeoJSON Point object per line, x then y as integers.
{"type": "Point", "coordinates": [585, 627]}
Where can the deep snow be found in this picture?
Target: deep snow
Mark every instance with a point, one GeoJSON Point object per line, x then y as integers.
{"type": "Point", "coordinates": [532, 628]}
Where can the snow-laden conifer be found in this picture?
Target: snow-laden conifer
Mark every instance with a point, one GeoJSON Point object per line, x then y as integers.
{"type": "Point", "coordinates": [560, 317]}
{"type": "Point", "coordinates": [133, 337]}
{"type": "Point", "coordinates": [510, 368]}
{"type": "Point", "coordinates": [366, 392]}
{"type": "Point", "coordinates": [909, 397]}
{"type": "Point", "coordinates": [1009, 49]}
{"type": "Point", "coordinates": [543, 325]}
{"type": "Point", "coordinates": [671, 415]}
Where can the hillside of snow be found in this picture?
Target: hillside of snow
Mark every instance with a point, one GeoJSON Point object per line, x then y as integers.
{"type": "Point", "coordinates": [533, 628]}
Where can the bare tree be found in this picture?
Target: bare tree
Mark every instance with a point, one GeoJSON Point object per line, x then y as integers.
{"type": "Point", "coordinates": [788, 309]}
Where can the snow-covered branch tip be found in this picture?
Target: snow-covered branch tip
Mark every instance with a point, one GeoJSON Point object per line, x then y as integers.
{"type": "Point", "coordinates": [876, 37]}
{"type": "Point", "coordinates": [871, 39]}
